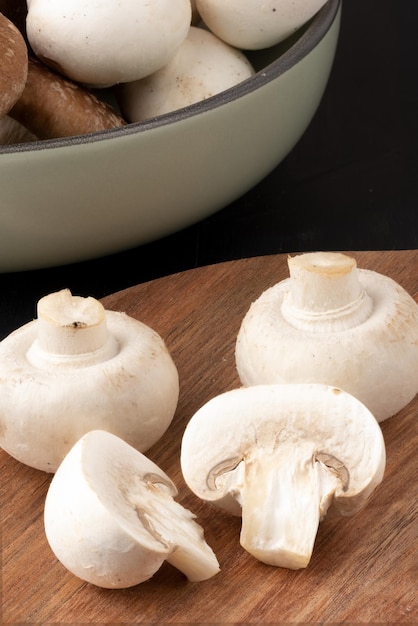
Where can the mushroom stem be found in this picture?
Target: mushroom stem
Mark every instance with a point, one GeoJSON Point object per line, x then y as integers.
{"type": "Point", "coordinates": [193, 556]}
{"type": "Point", "coordinates": [286, 494]}
{"type": "Point", "coordinates": [71, 329]}
{"type": "Point", "coordinates": [324, 288]}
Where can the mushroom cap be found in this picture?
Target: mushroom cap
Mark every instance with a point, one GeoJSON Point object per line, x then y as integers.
{"type": "Point", "coordinates": [225, 431]}
{"type": "Point", "coordinates": [251, 25]}
{"type": "Point", "coordinates": [14, 65]}
{"type": "Point", "coordinates": [52, 106]}
{"type": "Point", "coordinates": [202, 67]}
{"type": "Point", "coordinates": [110, 516]}
{"type": "Point", "coordinates": [109, 42]}
{"type": "Point", "coordinates": [374, 356]}
{"type": "Point", "coordinates": [46, 407]}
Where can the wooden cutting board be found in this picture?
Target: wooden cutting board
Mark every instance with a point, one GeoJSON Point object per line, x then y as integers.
{"type": "Point", "coordinates": [363, 569]}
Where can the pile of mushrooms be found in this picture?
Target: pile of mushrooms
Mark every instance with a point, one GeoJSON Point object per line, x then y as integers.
{"type": "Point", "coordinates": [79, 367]}
{"type": "Point", "coordinates": [83, 393]}
{"type": "Point", "coordinates": [94, 67]}
{"type": "Point", "coordinates": [111, 519]}
{"type": "Point", "coordinates": [323, 356]}
{"type": "Point", "coordinates": [36, 102]}
{"type": "Point", "coordinates": [331, 322]}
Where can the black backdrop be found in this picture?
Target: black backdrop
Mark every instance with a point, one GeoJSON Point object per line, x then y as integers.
{"type": "Point", "coordinates": [351, 183]}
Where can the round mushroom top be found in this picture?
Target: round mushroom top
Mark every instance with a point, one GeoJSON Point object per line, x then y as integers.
{"type": "Point", "coordinates": [14, 65]}
{"type": "Point", "coordinates": [102, 44]}
{"type": "Point", "coordinates": [251, 24]}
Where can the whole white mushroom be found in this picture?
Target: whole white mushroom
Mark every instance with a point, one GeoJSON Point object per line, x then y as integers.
{"type": "Point", "coordinates": [331, 322]}
{"type": "Point", "coordinates": [202, 67]}
{"type": "Point", "coordinates": [251, 24]}
{"type": "Point", "coordinates": [107, 42]}
{"type": "Point", "coordinates": [78, 367]}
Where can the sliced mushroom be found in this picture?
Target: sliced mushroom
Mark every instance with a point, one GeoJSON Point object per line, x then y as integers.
{"type": "Point", "coordinates": [111, 518]}
{"type": "Point", "coordinates": [282, 456]}
{"type": "Point", "coordinates": [78, 367]}
{"type": "Point", "coordinates": [333, 323]}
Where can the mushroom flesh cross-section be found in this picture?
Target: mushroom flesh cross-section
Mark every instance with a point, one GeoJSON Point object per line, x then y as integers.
{"type": "Point", "coordinates": [282, 456]}
{"type": "Point", "coordinates": [111, 519]}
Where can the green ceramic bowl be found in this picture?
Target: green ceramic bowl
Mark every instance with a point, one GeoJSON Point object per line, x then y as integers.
{"type": "Point", "coordinates": [78, 198]}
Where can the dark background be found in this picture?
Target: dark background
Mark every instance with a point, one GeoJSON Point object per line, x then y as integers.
{"type": "Point", "coordinates": [350, 184]}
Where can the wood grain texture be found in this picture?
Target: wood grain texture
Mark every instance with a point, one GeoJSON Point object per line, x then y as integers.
{"type": "Point", "coordinates": [363, 569]}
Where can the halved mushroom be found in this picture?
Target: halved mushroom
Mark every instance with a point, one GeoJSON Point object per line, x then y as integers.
{"type": "Point", "coordinates": [78, 367]}
{"type": "Point", "coordinates": [111, 519]}
{"type": "Point", "coordinates": [282, 456]}
{"type": "Point", "coordinates": [334, 323]}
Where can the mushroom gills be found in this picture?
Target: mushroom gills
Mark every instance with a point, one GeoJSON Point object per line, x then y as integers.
{"type": "Point", "coordinates": [283, 456]}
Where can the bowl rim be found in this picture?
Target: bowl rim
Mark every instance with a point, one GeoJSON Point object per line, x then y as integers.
{"type": "Point", "coordinates": [313, 33]}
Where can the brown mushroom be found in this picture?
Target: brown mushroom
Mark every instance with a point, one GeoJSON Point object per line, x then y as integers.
{"type": "Point", "coordinates": [52, 106]}
{"type": "Point", "coordinates": [14, 65]}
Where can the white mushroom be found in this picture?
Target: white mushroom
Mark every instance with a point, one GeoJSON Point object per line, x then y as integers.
{"type": "Point", "coordinates": [251, 24]}
{"type": "Point", "coordinates": [202, 67]}
{"type": "Point", "coordinates": [333, 323]}
{"type": "Point", "coordinates": [107, 42]}
{"type": "Point", "coordinates": [282, 456]}
{"type": "Point", "coordinates": [78, 367]}
{"type": "Point", "coordinates": [111, 519]}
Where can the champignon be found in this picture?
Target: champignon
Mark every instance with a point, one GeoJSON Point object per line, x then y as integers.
{"type": "Point", "coordinates": [78, 367]}
{"type": "Point", "coordinates": [333, 323]}
{"type": "Point", "coordinates": [14, 65]}
{"type": "Point", "coordinates": [109, 42]}
{"type": "Point", "coordinates": [111, 519]}
{"type": "Point", "coordinates": [282, 456]}
{"type": "Point", "coordinates": [52, 106]}
{"type": "Point", "coordinates": [202, 67]}
{"type": "Point", "coordinates": [251, 25]}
